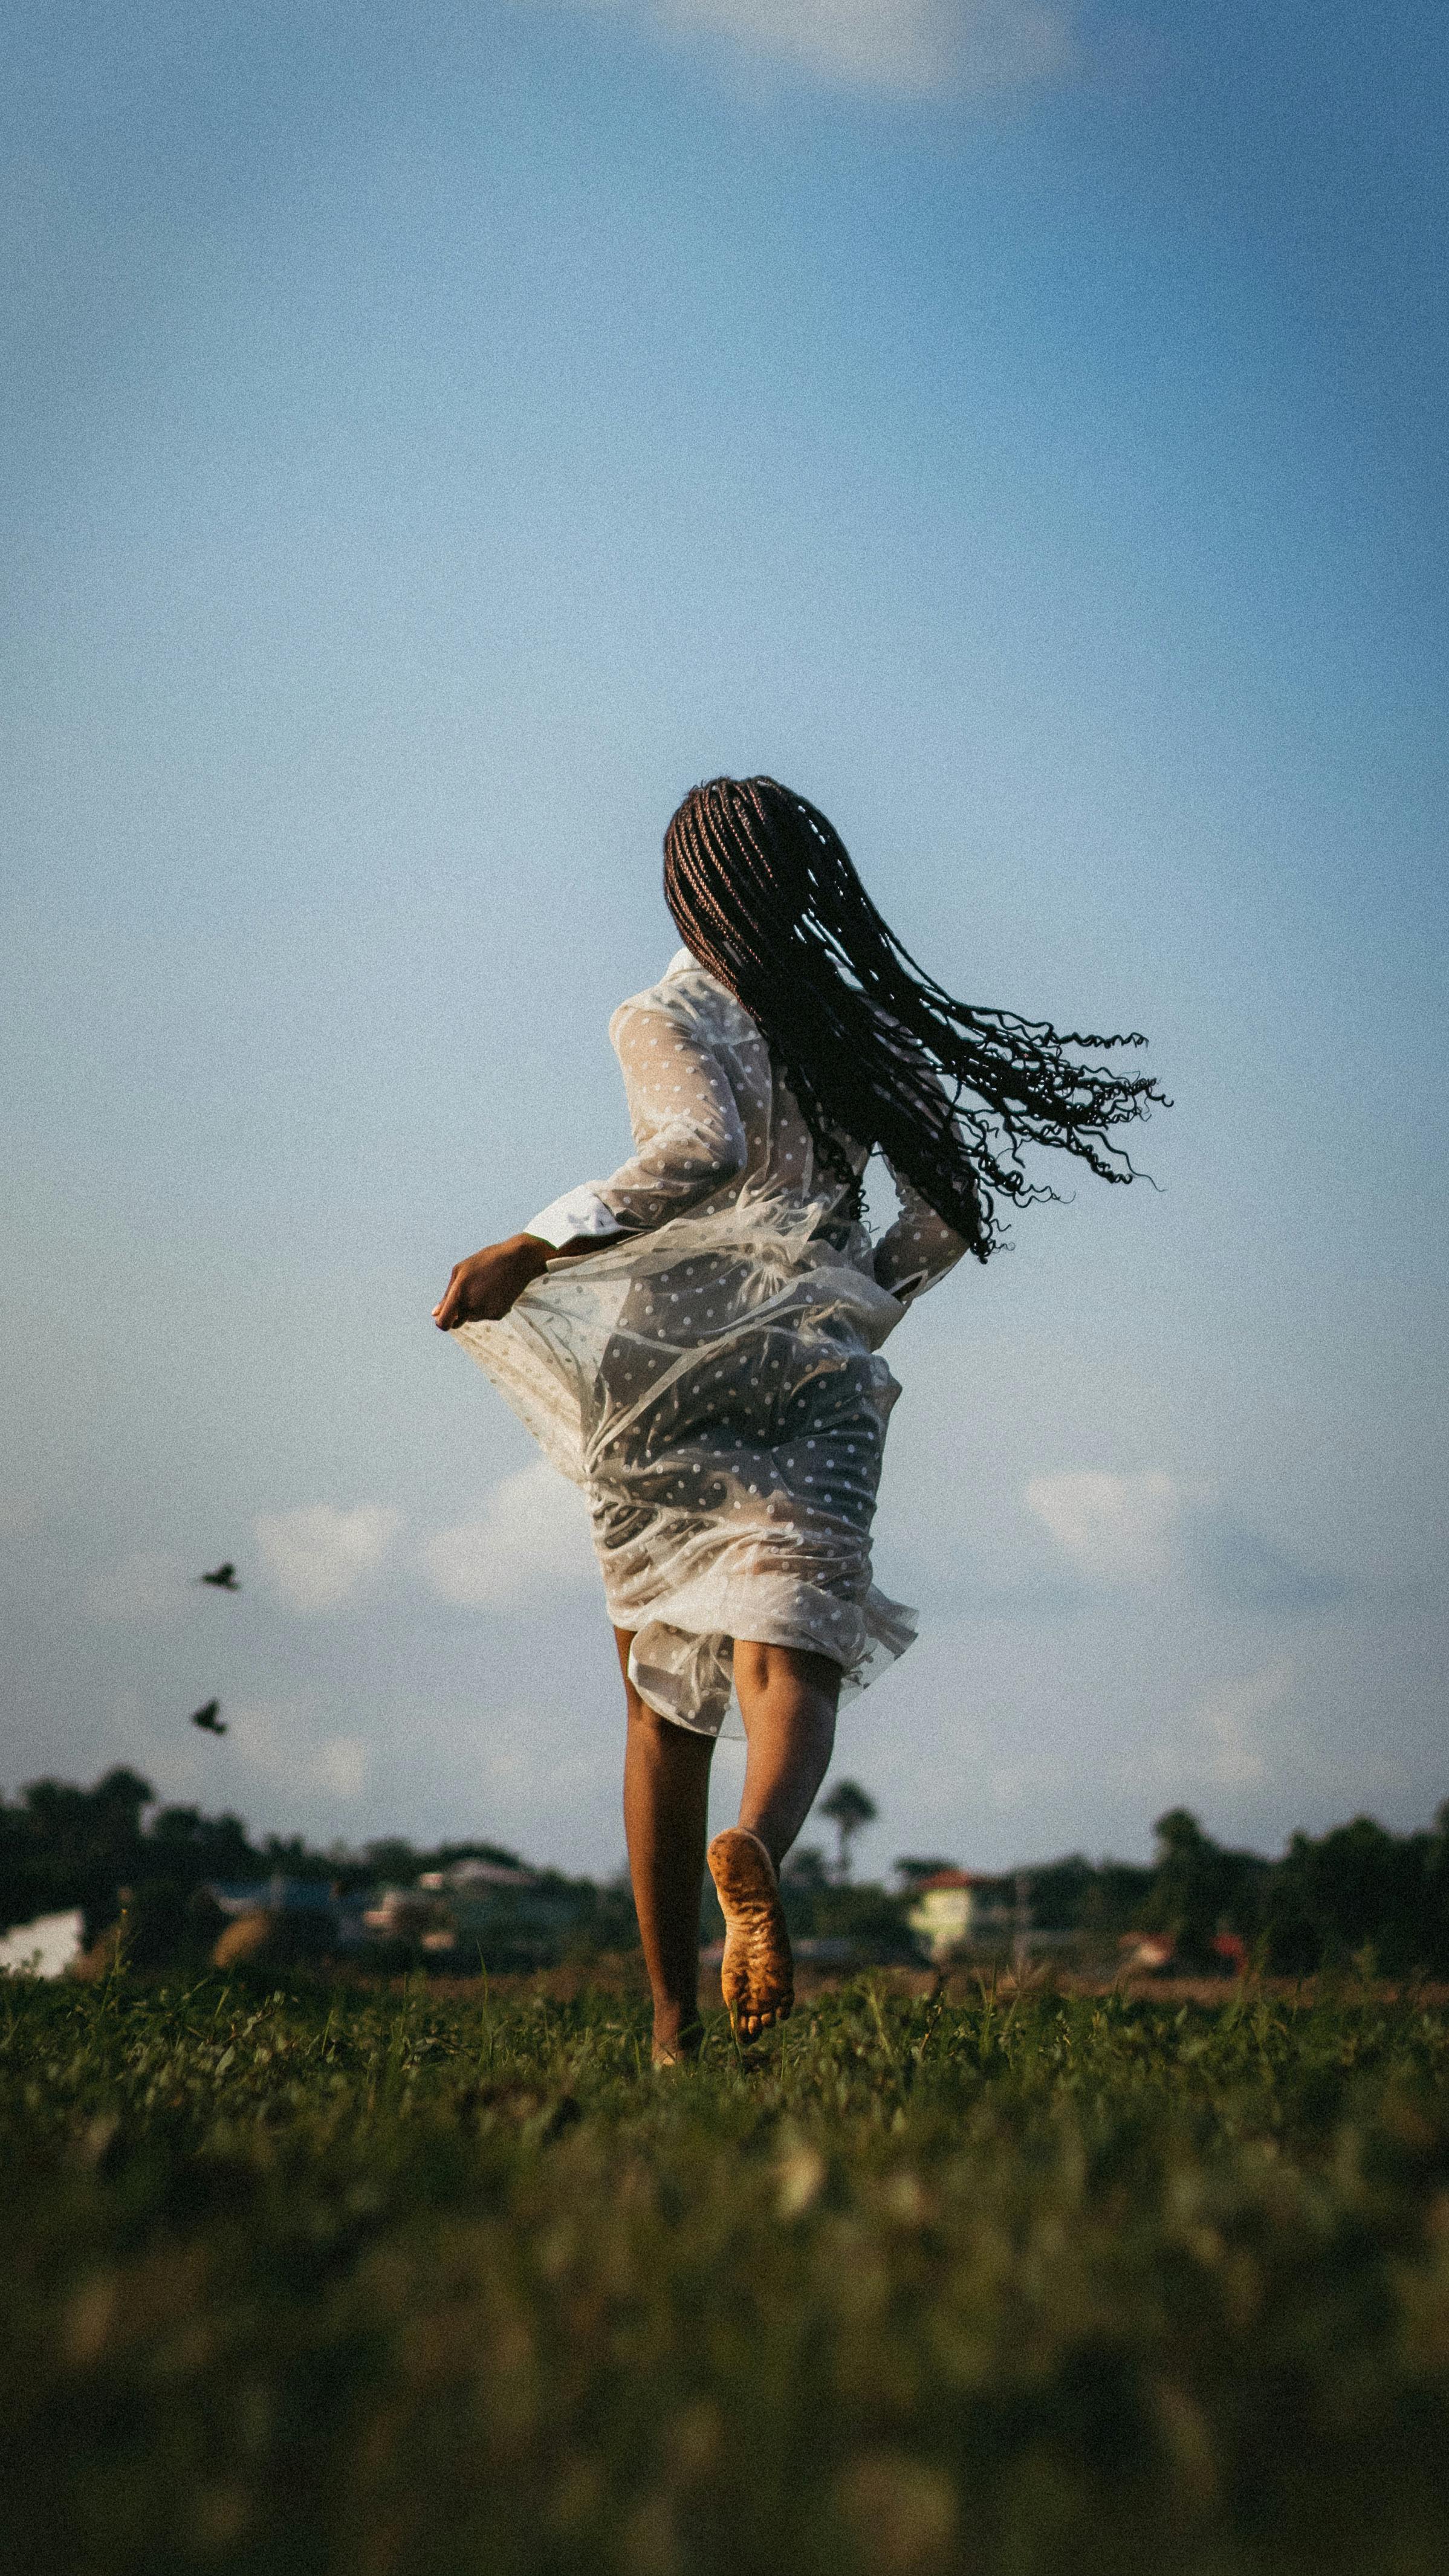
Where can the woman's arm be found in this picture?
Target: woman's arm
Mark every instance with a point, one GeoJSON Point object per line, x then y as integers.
{"type": "Point", "coordinates": [689, 1137]}
{"type": "Point", "coordinates": [689, 1142]}
{"type": "Point", "coordinates": [483, 1287]}
{"type": "Point", "coordinates": [918, 1249]}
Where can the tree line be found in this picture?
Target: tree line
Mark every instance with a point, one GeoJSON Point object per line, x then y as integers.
{"type": "Point", "coordinates": [1326, 1899]}
{"type": "Point", "coordinates": [63, 1847]}
{"type": "Point", "coordinates": [1322, 1902]}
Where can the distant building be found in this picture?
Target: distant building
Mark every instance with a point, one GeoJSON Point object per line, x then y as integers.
{"type": "Point", "coordinates": [464, 1877]}
{"type": "Point", "coordinates": [406, 1914]}
{"type": "Point", "coordinates": [961, 1909]}
{"type": "Point", "coordinates": [275, 1895]}
{"type": "Point", "coordinates": [44, 1948]}
{"type": "Point", "coordinates": [516, 1917]}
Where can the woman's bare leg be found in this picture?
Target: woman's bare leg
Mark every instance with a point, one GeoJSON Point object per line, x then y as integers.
{"type": "Point", "coordinates": [787, 1701]}
{"type": "Point", "coordinates": [666, 1809]}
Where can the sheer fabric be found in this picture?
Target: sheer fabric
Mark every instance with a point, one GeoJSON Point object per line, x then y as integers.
{"type": "Point", "coordinates": [714, 1381]}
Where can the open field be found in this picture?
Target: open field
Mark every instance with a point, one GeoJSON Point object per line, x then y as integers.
{"type": "Point", "coordinates": [415, 2281]}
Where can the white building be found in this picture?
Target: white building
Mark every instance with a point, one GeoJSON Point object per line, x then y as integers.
{"type": "Point", "coordinates": [960, 1909]}
{"type": "Point", "coordinates": [44, 1948]}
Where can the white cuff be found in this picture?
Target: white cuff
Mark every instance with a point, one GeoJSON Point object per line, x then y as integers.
{"type": "Point", "coordinates": [578, 1212]}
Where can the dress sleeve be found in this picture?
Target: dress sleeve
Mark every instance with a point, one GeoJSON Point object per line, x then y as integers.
{"type": "Point", "coordinates": [689, 1139]}
{"type": "Point", "coordinates": [918, 1249]}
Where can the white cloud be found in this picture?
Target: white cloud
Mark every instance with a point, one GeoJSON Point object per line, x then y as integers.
{"type": "Point", "coordinates": [518, 1759]}
{"type": "Point", "coordinates": [1226, 1719]}
{"type": "Point", "coordinates": [271, 1739]}
{"type": "Point", "coordinates": [269, 1745]}
{"type": "Point", "coordinates": [910, 47]}
{"type": "Point", "coordinates": [341, 1764]}
{"type": "Point", "coordinates": [150, 1589]}
{"type": "Point", "coordinates": [318, 1557]}
{"type": "Point", "coordinates": [531, 1537]}
{"type": "Point", "coordinates": [1214, 1744]}
{"type": "Point", "coordinates": [1114, 1529]}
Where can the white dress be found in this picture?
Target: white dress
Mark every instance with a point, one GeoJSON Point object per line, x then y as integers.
{"type": "Point", "coordinates": [714, 1382]}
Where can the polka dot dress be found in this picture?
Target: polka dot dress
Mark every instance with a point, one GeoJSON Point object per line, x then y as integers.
{"type": "Point", "coordinates": [715, 1380]}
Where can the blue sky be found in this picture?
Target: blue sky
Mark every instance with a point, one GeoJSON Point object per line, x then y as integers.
{"type": "Point", "coordinates": [435, 436]}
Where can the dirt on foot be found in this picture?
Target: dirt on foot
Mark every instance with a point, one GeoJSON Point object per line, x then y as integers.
{"type": "Point", "coordinates": [757, 1973]}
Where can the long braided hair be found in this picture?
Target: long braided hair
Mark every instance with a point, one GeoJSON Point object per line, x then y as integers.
{"type": "Point", "coordinates": [877, 1053]}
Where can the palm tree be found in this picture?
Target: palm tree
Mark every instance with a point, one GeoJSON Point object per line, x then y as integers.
{"type": "Point", "coordinates": [848, 1808]}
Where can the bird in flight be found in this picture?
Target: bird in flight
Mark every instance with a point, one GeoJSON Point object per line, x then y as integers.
{"type": "Point", "coordinates": [209, 1719]}
{"type": "Point", "coordinates": [222, 1578]}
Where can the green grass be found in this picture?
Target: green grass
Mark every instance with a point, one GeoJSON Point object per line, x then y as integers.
{"type": "Point", "coordinates": [380, 2283]}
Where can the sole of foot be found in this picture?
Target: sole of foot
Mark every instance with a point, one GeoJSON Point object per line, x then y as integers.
{"type": "Point", "coordinates": [757, 1972]}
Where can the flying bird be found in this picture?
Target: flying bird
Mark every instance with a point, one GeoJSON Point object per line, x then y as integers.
{"type": "Point", "coordinates": [209, 1719]}
{"type": "Point", "coordinates": [223, 1577]}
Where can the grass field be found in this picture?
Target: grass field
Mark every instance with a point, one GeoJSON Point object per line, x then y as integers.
{"type": "Point", "coordinates": [401, 2282]}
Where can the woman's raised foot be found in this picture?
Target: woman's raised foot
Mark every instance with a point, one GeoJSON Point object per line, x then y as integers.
{"type": "Point", "coordinates": [757, 1972]}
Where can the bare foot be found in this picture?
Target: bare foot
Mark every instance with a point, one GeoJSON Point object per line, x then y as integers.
{"type": "Point", "coordinates": [757, 1973]}
{"type": "Point", "coordinates": [676, 2042]}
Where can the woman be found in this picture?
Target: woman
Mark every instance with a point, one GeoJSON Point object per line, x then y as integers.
{"type": "Point", "coordinates": [696, 1341]}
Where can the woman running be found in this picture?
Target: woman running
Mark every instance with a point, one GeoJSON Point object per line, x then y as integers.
{"type": "Point", "coordinates": [696, 1341]}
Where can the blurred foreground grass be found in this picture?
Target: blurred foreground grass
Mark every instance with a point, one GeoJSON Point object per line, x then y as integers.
{"type": "Point", "coordinates": [397, 2283]}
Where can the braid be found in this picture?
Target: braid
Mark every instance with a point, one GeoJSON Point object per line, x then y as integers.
{"type": "Point", "coordinates": [877, 1053]}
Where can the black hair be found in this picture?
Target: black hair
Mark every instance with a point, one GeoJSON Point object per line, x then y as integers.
{"type": "Point", "coordinates": [765, 894]}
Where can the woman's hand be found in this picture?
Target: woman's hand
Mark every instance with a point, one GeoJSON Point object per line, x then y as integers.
{"type": "Point", "coordinates": [483, 1288]}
